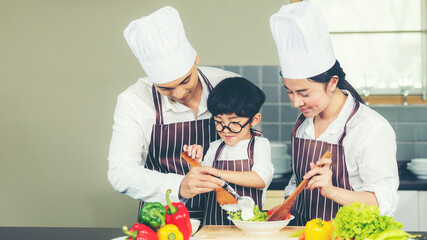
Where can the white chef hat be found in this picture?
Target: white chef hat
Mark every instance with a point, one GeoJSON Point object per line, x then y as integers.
{"type": "Point", "coordinates": [159, 43]}
{"type": "Point", "coordinates": [303, 42]}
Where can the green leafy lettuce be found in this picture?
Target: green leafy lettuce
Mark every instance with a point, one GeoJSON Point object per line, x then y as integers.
{"type": "Point", "coordinates": [359, 221]}
{"type": "Point", "coordinates": [258, 215]}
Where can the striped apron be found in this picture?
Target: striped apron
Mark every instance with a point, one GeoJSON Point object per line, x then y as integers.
{"type": "Point", "coordinates": [311, 204]}
{"type": "Point", "coordinates": [215, 215]}
{"type": "Point", "coordinates": [166, 145]}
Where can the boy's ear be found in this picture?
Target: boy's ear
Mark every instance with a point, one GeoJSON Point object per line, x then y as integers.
{"type": "Point", "coordinates": [256, 119]}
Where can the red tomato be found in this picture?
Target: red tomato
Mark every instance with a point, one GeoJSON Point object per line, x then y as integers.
{"type": "Point", "coordinates": [270, 212]}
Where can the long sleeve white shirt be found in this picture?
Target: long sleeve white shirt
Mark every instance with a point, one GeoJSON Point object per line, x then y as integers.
{"type": "Point", "coordinates": [262, 157]}
{"type": "Point", "coordinates": [134, 117]}
{"type": "Point", "coordinates": [370, 152]}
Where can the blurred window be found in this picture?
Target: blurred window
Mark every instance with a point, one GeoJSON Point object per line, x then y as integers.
{"type": "Point", "coordinates": [380, 44]}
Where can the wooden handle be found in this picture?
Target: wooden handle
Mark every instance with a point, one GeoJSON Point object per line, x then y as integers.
{"type": "Point", "coordinates": [283, 209]}
{"type": "Point", "coordinates": [304, 182]}
{"type": "Point", "coordinates": [193, 162]}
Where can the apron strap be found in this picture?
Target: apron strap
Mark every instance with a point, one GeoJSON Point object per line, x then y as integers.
{"type": "Point", "coordinates": [206, 80]}
{"type": "Point", "coordinates": [356, 107]}
{"type": "Point", "coordinates": [219, 150]}
{"type": "Point", "coordinates": [298, 123]}
{"type": "Point", "coordinates": [251, 150]}
{"type": "Point", "coordinates": [158, 102]}
{"type": "Point", "coordinates": [157, 98]}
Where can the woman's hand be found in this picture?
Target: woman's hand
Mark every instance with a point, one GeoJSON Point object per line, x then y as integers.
{"type": "Point", "coordinates": [194, 151]}
{"type": "Point", "coordinates": [321, 177]}
{"type": "Point", "coordinates": [199, 180]}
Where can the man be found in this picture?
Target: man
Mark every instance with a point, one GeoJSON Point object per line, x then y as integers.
{"type": "Point", "coordinates": [160, 113]}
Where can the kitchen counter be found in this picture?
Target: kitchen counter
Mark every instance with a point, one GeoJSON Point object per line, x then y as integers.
{"type": "Point", "coordinates": [43, 233]}
{"type": "Point", "coordinates": [408, 181]}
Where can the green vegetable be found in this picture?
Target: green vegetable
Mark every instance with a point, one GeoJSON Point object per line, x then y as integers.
{"type": "Point", "coordinates": [393, 234]}
{"type": "Point", "coordinates": [296, 234]}
{"type": "Point", "coordinates": [359, 221]}
{"type": "Point", "coordinates": [153, 215]}
{"type": "Point", "coordinates": [258, 215]}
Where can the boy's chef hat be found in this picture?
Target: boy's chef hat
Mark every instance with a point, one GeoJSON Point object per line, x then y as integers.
{"type": "Point", "coordinates": [303, 42]}
{"type": "Point", "coordinates": [159, 42]}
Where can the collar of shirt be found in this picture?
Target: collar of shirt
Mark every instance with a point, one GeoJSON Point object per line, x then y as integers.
{"type": "Point", "coordinates": [337, 125]}
{"type": "Point", "coordinates": [169, 105]}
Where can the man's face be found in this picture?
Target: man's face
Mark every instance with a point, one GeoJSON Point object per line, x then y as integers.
{"type": "Point", "coordinates": [183, 89]}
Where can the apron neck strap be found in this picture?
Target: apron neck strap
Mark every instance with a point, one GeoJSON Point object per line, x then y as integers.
{"type": "Point", "coordinates": [157, 97]}
{"type": "Point", "coordinates": [355, 108]}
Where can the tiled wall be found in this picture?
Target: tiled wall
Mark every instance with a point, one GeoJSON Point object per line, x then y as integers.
{"type": "Point", "coordinates": [278, 114]}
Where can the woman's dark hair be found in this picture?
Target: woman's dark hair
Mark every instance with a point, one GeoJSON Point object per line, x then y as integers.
{"type": "Point", "coordinates": [337, 70]}
{"type": "Point", "coordinates": [236, 95]}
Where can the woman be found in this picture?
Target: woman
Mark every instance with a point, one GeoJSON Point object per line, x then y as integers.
{"type": "Point", "coordinates": [363, 167]}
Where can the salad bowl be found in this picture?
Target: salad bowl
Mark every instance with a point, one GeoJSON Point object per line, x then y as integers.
{"type": "Point", "coordinates": [260, 227]}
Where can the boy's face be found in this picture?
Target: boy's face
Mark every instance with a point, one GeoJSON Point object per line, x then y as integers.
{"type": "Point", "coordinates": [229, 137]}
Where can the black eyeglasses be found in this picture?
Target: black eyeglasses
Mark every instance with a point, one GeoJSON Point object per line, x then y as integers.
{"type": "Point", "coordinates": [233, 127]}
{"type": "Point", "coordinates": [280, 73]}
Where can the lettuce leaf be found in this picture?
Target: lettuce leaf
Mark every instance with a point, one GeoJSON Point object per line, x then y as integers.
{"type": "Point", "coordinates": [258, 215]}
{"type": "Point", "coordinates": [358, 221]}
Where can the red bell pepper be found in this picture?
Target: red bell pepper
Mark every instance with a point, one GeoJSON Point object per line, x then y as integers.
{"type": "Point", "coordinates": [177, 214]}
{"type": "Point", "coordinates": [140, 232]}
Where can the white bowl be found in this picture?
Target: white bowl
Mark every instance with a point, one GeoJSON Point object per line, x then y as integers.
{"type": "Point", "coordinates": [416, 167]}
{"type": "Point", "coordinates": [419, 171]}
{"type": "Point", "coordinates": [261, 227]}
{"type": "Point", "coordinates": [195, 223]}
{"type": "Point", "coordinates": [419, 160]}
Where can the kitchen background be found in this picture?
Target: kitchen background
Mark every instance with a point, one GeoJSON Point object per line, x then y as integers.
{"type": "Point", "coordinates": [63, 64]}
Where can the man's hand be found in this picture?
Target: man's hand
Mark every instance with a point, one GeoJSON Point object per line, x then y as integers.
{"type": "Point", "coordinates": [199, 180]}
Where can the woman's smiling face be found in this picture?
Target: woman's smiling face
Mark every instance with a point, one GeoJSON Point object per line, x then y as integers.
{"type": "Point", "coordinates": [309, 96]}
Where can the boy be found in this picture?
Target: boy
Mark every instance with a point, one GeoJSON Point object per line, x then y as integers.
{"type": "Point", "coordinates": [235, 104]}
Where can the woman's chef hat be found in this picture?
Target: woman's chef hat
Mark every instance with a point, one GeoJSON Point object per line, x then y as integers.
{"type": "Point", "coordinates": [303, 42]}
{"type": "Point", "coordinates": [159, 42]}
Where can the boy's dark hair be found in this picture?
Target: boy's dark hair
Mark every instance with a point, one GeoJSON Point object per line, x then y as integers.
{"type": "Point", "coordinates": [236, 95]}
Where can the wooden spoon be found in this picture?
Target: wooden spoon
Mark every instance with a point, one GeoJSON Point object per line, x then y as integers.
{"type": "Point", "coordinates": [223, 197]}
{"type": "Point", "coordinates": [283, 209]}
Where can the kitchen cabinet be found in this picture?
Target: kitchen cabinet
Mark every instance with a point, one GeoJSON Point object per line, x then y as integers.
{"type": "Point", "coordinates": [423, 211]}
{"type": "Point", "coordinates": [273, 198]}
{"type": "Point", "coordinates": [407, 210]}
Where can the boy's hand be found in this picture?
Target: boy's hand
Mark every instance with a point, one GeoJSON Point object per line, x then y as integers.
{"type": "Point", "coordinates": [194, 151]}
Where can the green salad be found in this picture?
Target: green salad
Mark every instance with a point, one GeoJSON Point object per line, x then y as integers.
{"type": "Point", "coordinates": [258, 215]}
{"type": "Point", "coordinates": [359, 221]}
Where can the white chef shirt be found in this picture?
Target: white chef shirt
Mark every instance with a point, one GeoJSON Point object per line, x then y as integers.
{"type": "Point", "coordinates": [262, 157]}
{"type": "Point", "coordinates": [370, 152]}
{"type": "Point", "coordinates": [134, 117]}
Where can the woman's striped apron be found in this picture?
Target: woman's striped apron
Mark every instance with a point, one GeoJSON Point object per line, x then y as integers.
{"type": "Point", "coordinates": [311, 204]}
{"type": "Point", "coordinates": [215, 215]}
{"type": "Point", "coordinates": [166, 145]}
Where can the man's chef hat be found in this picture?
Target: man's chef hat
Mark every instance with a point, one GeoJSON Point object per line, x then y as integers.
{"type": "Point", "coordinates": [159, 42]}
{"type": "Point", "coordinates": [303, 42]}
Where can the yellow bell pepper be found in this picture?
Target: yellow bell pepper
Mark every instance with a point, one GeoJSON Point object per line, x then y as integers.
{"type": "Point", "coordinates": [169, 232]}
{"type": "Point", "coordinates": [317, 229]}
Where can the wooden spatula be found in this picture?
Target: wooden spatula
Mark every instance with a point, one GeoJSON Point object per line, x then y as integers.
{"type": "Point", "coordinates": [283, 209]}
{"type": "Point", "coordinates": [223, 197]}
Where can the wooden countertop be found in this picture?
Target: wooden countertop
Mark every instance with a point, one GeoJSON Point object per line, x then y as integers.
{"type": "Point", "coordinates": [213, 232]}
